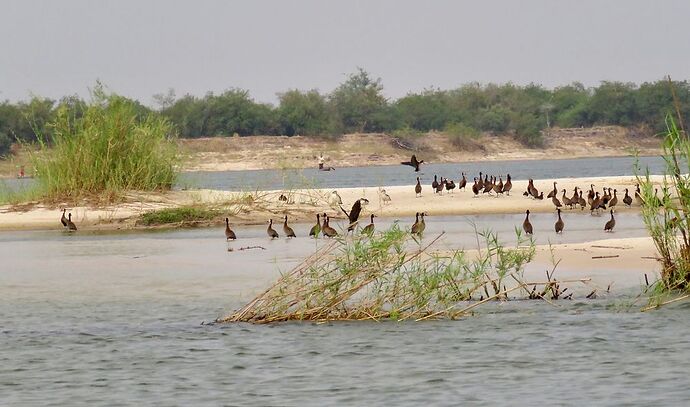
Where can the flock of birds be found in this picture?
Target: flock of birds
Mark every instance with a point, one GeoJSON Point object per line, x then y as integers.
{"type": "Point", "coordinates": [484, 184]}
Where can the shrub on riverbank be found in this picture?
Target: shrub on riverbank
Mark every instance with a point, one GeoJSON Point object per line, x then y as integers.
{"type": "Point", "coordinates": [112, 148]}
{"type": "Point", "coordinates": [667, 219]}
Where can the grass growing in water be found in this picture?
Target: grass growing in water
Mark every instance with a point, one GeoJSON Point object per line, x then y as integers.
{"type": "Point", "coordinates": [667, 218]}
{"type": "Point", "coordinates": [392, 276]}
{"type": "Point", "coordinates": [110, 150]}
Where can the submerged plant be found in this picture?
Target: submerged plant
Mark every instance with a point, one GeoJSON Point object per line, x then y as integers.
{"type": "Point", "coordinates": [391, 276]}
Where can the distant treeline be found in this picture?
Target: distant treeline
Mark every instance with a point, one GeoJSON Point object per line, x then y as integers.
{"type": "Point", "coordinates": [358, 105]}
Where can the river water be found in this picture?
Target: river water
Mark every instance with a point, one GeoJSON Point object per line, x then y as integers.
{"type": "Point", "coordinates": [382, 175]}
{"type": "Point", "coordinates": [116, 319]}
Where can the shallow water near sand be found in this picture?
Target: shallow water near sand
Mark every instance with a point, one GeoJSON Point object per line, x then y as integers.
{"type": "Point", "coordinates": [115, 319]}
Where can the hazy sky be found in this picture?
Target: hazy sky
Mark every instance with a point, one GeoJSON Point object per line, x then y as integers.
{"type": "Point", "coordinates": [139, 48]}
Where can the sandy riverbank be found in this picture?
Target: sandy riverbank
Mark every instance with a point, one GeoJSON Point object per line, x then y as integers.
{"type": "Point", "coordinates": [265, 152]}
{"type": "Point", "coordinates": [255, 208]}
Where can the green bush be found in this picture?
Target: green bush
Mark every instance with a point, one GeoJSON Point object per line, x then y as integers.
{"type": "Point", "coordinates": [110, 149]}
{"type": "Point", "coordinates": [463, 137]}
{"type": "Point", "coordinates": [184, 214]}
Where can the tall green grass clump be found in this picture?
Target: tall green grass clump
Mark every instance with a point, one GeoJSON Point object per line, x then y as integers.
{"type": "Point", "coordinates": [666, 214]}
{"type": "Point", "coordinates": [111, 149]}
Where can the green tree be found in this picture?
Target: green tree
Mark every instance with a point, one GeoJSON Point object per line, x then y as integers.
{"type": "Point", "coordinates": [424, 111]}
{"type": "Point", "coordinates": [359, 103]}
{"type": "Point", "coordinates": [304, 113]}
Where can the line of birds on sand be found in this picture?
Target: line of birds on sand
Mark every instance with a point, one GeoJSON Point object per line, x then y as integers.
{"type": "Point", "coordinates": [67, 223]}
{"type": "Point", "coordinates": [326, 229]}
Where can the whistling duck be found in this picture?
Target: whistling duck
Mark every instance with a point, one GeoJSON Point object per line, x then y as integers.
{"type": "Point", "coordinates": [610, 224]}
{"type": "Point", "coordinates": [559, 223]}
{"type": "Point", "coordinates": [434, 184]}
{"type": "Point", "coordinates": [271, 232]}
{"type": "Point", "coordinates": [462, 183]}
{"type": "Point", "coordinates": [414, 163]}
{"type": "Point", "coordinates": [526, 225]}
{"type": "Point", "coordinates": [287, 229]}
{"type": "Point", "coordinates": [555, 201]}
{"type": "Point", "coordinates": [638, 194]}
{"type": "Point", "coordinates": [327, 230]}
{"type": "Point", "coordinates": [627, 199]}
{"type": "Point", "coordinates": [488, 185]}
{"type": "Point", "coordinates": [369, 229]}
{"type": "Point", "coordinates": [475, 187]}
{"type": "Point", "coordinates": [566, 200]}
{"type": "Point", "coordinates": [596, 203]}
{"type": "Point", "coordinates": [439, 187]}
{"type": "Point", "coordinates": [480, 183]}
{"type": "Point", "coordinates": [229, 233]}
{"type": "Point", "coordinates": [498, 188]}
{"type": "Point", "coordinates": [63, 219]}
{"type": "Point", "coordinates": [353, 215]}
{"type": "Point", "coordinates": [590, 194]}
{"type": "Point", "coordinates": [316, 229]}
{"type": "Point", "coordinates": [540, 196]}
{"type": "Point", "coordinates": [532, 190]}
{"type": "Point", "coordinates": [71, 227]}
{"type": "Point", "coordinates": [418, 189]}
{"type": "Point", "coordinates": [419, 224]}
{"type": "Point", "coordinates": [613, 201]}
{"type": "Point", "coordinates": [575, 197]}
{"type": "Point", "coordinates": [605, 197]}
{"type": "Point", "coordinates": [450, 185]}
{"type": "Point", "coordinates": [582, 201]}
{"type": "Point", "coordinates": [416, 222]}
{"type": "Point", "coordinates": [553, 192]}
{"type": "Point", "coordinates": [508, 185]}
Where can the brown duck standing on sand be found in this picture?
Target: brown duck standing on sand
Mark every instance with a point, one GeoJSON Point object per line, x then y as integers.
{"type": "Point", "coordinates": [553, 192]}
{"type": "Point", "coordinates": [488, 185]}
{"type": "Point", "coordinates": [566, 200]}
{"type": "Point", "coordinates": [434, 184]}
{"type": "Point", "coordinates": [526, 225]}
{"type": "Point", "coordinates": [540, 196]}
{"type": "Point", "coordinates": [229, 233]}
{"type": "Point", "coordinates": [610, 224]}
{"type": "Point", "coordinates": [418, 189]}
{"type": "Point", "coordinates": [555, 201]}
{"type": "Point", "coordinates": [450, 185]}
{"type": "Point", "coordinates": [419, 225]}
{"type": "Point", "coordinates": [532, 190]}
{"type": "Point", "coordinates": [480, 183]}
{"type": "Point", "coordinates": [271, 232]}
{"type": "Point", "coordinates": [439, 187]}
{"type": "Point", "coordinates": [498, 188]}
{"type": "Point", "coordinates": [575, 199]}
{"type": "Point", "coordinates": [71, 227]}
{"type": "Point", "coordinates": [559, 223]}
{"type": "Point", "coordinates": [463, 182]}
{"type": "Point", "coordinates": [475, 188]}
{"type": "Point", "coordinates": [627, 199]}
{"type": "Point", "coordinates": [327, 230]}
{"type": "Point", "coordinates": [414, 163]}
{"type": "Point", "coordinates": [287, 229]}
{"type": "Point", "coordinates": [613, 201]}
{"type": "Point", "coordinates": [638, 196]}
{"type": "Point", "coordinates": [596, 203]}
{"type": "Point", "coordinates": [605, 197]}
{"type": "Point", "coordinates": [582, 201]}
{"type": "Point", "coordinates": [316, 229]}
{"type": "Point", "coordinates": [508, 185]}
{"type": "Point", "coordinates": [369, 229]}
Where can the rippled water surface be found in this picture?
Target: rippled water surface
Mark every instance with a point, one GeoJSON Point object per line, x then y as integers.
{"type": "Point", "coordinates": [115, 319]}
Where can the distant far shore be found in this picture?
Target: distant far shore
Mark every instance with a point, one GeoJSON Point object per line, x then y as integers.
{"type": "Point", "coordinates": [352, 150]}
